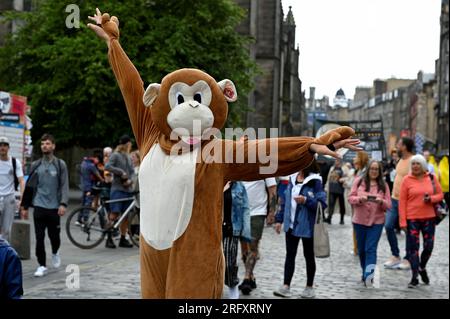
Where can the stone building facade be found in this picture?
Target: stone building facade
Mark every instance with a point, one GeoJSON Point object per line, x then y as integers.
{"type": "Point", "coordinates": [442, 79]}
{"type": "Point", "coordinates": [277, 100]}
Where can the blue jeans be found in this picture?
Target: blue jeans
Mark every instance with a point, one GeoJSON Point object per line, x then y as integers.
{"type": "Point", "coordinates": [87, 202]}
{"type": "Point", "coordinates": [368, 238]}
{"type": "Point", "coordinates": [391, 221]}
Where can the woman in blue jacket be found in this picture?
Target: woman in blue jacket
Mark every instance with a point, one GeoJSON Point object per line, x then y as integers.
{"type": "Point", "coordinates": [236, 225]}
{"type": "Point", "coordinates": [298, 215]}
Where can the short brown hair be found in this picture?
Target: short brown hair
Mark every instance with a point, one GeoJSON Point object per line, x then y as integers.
{"type": "Point", "coordinates": [48, 137]}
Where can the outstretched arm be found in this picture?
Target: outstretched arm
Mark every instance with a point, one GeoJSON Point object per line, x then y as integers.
{"type": "Point", "coordinates": [281, 156]}
{"type": "Point", "coordinates": [127, 76]}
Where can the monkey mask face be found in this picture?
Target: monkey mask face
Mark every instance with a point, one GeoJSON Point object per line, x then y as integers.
{"type": "Point", "coordinates": [188, 103]}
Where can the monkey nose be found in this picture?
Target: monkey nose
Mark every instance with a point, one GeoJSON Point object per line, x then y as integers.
{"type": "Point", "coordinates": [194, 104]}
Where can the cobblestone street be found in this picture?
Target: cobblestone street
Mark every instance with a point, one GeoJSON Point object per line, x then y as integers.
{"type": "Point", "coordinates": [107, 273]}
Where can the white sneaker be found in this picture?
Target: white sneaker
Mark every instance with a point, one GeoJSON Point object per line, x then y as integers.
{"type": "Point", "coordinates": [392, 263]}
{"type": "Point", "coordinates": [233, 292]}
{"type": "Point", "coordinates": [56, 260]}
{"type": "Point", "coordinates": [283, 291]}
{"type": "Point", "coordinates": [404, 265]}
{"type": "Point", "coordinates": [308, 293]}
{"type": "Point", "coordinates": [41, 271]}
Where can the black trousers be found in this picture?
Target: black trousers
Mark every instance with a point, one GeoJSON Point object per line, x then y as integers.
{"type": "Point", "coordinates": [291, 252]}
{"type": "Point", "coordinates": [230, 250]}
{"type": "Point", "coordinates": [50, 220]}
{"type": "Point", "coordinates": [332, 203]}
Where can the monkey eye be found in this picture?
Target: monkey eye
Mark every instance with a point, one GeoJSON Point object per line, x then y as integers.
{"type": "Point", "coordinates": [198, 97]}
{"type": "Point", "coordinates": [180, 98]}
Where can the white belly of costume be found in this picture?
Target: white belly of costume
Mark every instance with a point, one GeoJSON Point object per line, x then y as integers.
{"type": "Point", "coordinates": [167, 196]}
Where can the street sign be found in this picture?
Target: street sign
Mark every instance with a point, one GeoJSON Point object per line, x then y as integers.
{"type": "Point", "coordinates": [15, 134]}
{"type": "Point", "coordinates": [369, 132]}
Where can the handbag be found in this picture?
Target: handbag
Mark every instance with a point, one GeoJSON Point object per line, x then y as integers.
{"type": "Point", "coordinates": [441, 208]}
{"type": "Point", "coordinates": [321, 238]}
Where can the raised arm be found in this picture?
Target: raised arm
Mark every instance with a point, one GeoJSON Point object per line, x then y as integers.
{"type": "Point", "coordinates": [281, 156]}
{"type": "Point", "coordinates": [128, 78]}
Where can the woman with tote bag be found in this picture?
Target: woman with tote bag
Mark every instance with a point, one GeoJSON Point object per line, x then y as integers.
{"type": "Point", "coordinates": [298, 215]}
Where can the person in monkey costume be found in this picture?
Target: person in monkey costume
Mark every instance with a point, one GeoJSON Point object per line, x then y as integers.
{"type": "Point", "coordinates": [183, 173]}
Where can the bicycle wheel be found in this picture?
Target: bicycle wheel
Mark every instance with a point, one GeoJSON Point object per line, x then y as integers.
{"type": "Point", "coordinates": [84, 227]}
{"type": "Point", "coordinates": [134, 226]}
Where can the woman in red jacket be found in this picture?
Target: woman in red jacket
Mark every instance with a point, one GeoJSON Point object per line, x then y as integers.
{"type": "Point", "coordinates": [417, 199]}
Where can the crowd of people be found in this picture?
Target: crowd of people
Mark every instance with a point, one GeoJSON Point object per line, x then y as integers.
{"type": "Point", "coordinates": [397, 195]}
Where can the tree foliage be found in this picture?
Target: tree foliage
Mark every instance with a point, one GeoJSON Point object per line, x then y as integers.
{"type": "Point", "coordinates": [66, 75]}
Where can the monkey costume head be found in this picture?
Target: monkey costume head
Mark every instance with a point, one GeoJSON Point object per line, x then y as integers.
{"type": "Point", "coordinates": [188, 103]}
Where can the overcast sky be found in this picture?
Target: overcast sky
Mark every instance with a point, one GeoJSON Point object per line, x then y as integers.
{"type": "Point", "coordinates": [349, 43]}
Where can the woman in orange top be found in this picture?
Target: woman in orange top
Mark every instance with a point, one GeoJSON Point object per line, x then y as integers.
{"type": "Point", "coordinates": [417, 215]}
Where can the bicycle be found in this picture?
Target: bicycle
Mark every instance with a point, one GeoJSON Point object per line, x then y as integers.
{"type": "Point", "coordinates": [94, 226]}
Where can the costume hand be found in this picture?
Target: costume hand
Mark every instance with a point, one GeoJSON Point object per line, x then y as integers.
{"type": "Point", "coordinates": [102, 21]}
{"type": "Point", "coordinates": [349, 143]}
{"type": "Point", "coordinates": [339, 138]}
{"type": "Point", "coordinates": [97, 18]}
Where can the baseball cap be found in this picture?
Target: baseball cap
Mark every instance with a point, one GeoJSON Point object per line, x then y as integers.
{"type": "Point", "coordinates": [124, 139]}
{"type": "Point", "coordinates": [4, 140]}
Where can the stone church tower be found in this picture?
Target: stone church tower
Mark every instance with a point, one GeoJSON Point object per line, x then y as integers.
{"type": "Point", "coordinates": [277, 100]}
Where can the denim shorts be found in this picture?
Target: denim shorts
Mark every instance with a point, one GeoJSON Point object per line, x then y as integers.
{"type": "Point", "coordinates": [119, 207]}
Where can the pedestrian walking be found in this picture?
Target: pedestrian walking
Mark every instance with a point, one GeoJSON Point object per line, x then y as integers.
{"type": "Point", "coordinates": [361, 162]}
{"type": "Point", "coordinates": [11, 178]}
{"type": "Point", "coordinates": [298, 216]}
{"type": "Point", "coordinates": [419, 192]}
{"type": "Point", "coordinates": [260, 194]}
{"type": "Point", "coordinates": [335, 189]}
{"type": "Point", "coordinates": [50, 194]}
{"type": "Point", "coordinates": [405, 148]}
{"type": "Point", "coordinates": [236, 226]}
{"type": "Point", "coordinates": [370, 198]}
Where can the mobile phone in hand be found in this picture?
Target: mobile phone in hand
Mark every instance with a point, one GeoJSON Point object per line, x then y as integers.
{"type": "Point", "coordinates": [371, 198]}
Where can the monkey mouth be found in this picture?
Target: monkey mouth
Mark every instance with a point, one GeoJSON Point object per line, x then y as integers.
{"type": "Point", "coordinates": [191, 140]}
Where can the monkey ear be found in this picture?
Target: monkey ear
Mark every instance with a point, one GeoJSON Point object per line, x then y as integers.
{"type": "Point", "coordinates": [151, 94]}
{"type": "Point", "coordinates": [228, 89]}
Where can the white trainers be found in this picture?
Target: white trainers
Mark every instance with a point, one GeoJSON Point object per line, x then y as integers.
{"type": "Point", "coordinates": [283, 291]}
{"type": "Point", "coordinates": [41, 271]}
{"type": "Point", "coordinates": [392, 263]}
{"type": "Point", "coordinates": [308, 293]}
{"type": "Point", "coordinates": [56, 260]}
{"type": "Point", "coordinates": [233, 292]}
{"type": "Point", "coordinates": [404, 265]}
